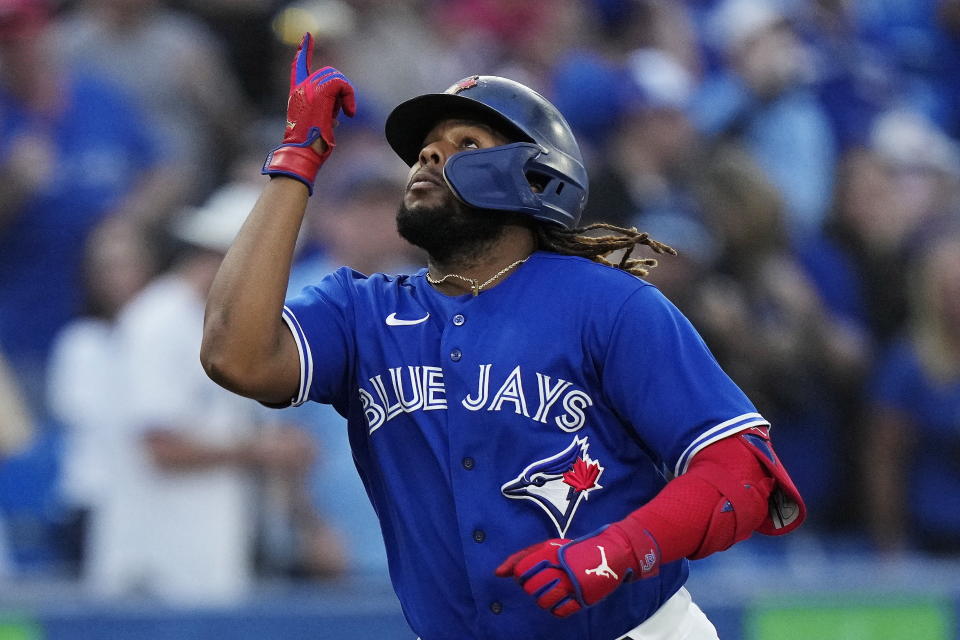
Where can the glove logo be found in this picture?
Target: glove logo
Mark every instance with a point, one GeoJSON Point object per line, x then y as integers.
{"type": "Point", "coordinates": [649, 561]}
{"type": "Point", "coordinates": [558, 484]}
{"type": "Point", "coordinates": [602, 570]}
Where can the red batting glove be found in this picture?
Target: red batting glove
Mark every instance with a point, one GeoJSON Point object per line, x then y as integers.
{"type": "Point", "coordinates": [315, 101]}
{"type": "Point", "coordinates": [565, 576]}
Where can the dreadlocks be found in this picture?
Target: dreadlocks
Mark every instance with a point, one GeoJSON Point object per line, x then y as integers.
{"type": "Point", "coordinates": [575, 242]}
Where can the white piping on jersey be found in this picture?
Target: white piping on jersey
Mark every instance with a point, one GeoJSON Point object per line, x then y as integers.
{"type": "Point", "coordinates": [719, 432]}
{"type": "Point", "coordinates": [306, 357]}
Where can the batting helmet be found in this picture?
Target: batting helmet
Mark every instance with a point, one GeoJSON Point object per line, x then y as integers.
{"type": "Point", "coordinates": [499, 178]}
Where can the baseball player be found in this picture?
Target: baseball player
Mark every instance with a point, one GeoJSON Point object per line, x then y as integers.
{"type": "Point", "coordinates": [545, 438]}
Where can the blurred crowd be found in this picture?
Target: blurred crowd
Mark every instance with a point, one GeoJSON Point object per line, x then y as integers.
{"type": "Point", "coordinates": [801, 155]}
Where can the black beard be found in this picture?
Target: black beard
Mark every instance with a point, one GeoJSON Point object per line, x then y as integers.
{"type": "Point", "coordinates": [451, 232]}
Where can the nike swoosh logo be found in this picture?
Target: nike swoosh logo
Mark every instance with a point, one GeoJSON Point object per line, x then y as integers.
{"type": "Point", "coordinates": [394, 321]}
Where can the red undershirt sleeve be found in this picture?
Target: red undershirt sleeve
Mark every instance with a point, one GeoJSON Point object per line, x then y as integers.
{"type": "Point", "coordinates": [721, 499]}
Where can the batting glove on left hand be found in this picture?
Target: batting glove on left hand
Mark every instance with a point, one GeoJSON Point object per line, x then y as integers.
{"type": "Point", "coordinates": [565, 575]}
{"type": "Point", "coordinates": [315, 101]}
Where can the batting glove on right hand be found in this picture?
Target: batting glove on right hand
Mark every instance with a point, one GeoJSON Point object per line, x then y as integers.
{"type": "Point", "coordinates": [315, 101]}
{"type": "Point", "coordinates": [565, 576]}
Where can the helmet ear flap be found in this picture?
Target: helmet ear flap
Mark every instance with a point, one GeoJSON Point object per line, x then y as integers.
{"type": "Point", "coordinates": [494, 178]}
{"type": "Point", "coordinates": [516, 177]}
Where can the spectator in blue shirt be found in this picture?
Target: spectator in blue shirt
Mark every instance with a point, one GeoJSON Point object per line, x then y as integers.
{"type": "Point", "coordinates": [72, 152]}
{"type": "Point", "coordinates": [764, 98]}
{"type": "Point", "coordinates": [912, 439]}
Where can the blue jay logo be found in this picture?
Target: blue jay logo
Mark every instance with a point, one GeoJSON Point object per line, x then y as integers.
{"type": "Point", "coordinates": [558, 484]}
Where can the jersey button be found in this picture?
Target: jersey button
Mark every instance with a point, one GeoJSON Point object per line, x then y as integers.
{"type": "Point", "coordinates": [468, 463]}
{"type": "Point", "coordinates": [496, 607]}
{"type": "Point", "coordinates": [459, 319]}
{"type": "Point", "coordinates": [455, 355]}
{"type": "Point", "coordinates": [479, 536]}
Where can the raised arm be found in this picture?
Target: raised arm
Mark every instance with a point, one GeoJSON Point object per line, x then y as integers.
{"type": "Point", "coordinates": [246, 347]}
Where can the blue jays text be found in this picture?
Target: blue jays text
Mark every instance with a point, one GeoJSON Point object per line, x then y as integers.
{"type": "Point", "coordinates": [421, 388]}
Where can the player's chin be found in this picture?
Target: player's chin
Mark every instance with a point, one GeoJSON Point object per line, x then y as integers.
{"type": "Point", "coordinates": [426, 197]}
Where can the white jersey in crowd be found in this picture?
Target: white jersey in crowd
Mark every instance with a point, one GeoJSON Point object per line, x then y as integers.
{"type": "Point", "coordinates": [186, 536]}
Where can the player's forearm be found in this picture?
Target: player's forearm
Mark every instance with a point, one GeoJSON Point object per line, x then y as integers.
{"type": "Point", "coordinates": [693, 518]}
{"type": "Point", "coordinates": [243, 333]}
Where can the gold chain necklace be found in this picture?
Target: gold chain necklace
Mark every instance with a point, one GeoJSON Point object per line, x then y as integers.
{"type": "Point", "coordinates": [475, 285]}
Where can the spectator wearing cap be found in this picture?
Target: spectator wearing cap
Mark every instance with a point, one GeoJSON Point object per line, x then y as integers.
{"type": "Point", "coordinates": [653, 155]}
{"type": "Point", "coordinates": [893, 192]}
{"type": "Point", "coordinates": [73, 151]}
{"type": "Point", "coordinates": [764, 99]}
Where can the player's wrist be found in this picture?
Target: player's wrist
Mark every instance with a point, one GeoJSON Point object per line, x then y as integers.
{"type": "Point", "coordinates": [631, 547]}
{"type": "Point", "coordinates": [297, 162]}
{"type": "Point", "coordinates": [643, 546]}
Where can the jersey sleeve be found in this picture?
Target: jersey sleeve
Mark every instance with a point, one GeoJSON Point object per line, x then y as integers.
{"type": "Point", "coordinates": [663, 380]}
{"type": "Point", "coordinates": [321, 319]}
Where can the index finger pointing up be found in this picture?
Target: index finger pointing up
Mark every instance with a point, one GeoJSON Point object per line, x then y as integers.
{"type": "Point", "coordinates": [300, 68]}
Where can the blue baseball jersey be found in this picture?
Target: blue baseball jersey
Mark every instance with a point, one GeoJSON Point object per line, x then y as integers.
{"type": "Point", "coordinates": [548, 406]}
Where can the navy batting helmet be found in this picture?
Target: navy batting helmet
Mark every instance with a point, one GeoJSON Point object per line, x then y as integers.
{"type": "Point", "coordinates": [545, 151]}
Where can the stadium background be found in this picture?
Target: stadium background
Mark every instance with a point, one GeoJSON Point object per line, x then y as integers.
{"type": "Point", "coordinates": [801, 155]}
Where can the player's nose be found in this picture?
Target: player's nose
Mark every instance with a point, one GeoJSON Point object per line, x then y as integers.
{"type": "Point", "coordinates": [433, 154]}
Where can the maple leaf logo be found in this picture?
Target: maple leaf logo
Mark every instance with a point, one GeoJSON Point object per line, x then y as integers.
{"type": "Point", "coordinates": [583, 476]}
{"type": "Point", "coordinates": [466, 83]}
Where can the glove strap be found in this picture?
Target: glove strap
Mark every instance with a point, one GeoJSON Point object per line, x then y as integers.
{"type": "Point", "coordinates": [300, 163]}
{"type": "Point", "coordinates": [646, 550]}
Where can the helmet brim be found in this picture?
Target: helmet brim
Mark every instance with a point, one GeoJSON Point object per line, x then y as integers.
{"type": "Point", "coordinates": [409, 123]}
